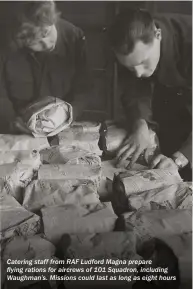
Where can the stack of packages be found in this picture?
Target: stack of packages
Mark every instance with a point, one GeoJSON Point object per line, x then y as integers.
{"type": "Point", "coordinates": [19, 163]}
{"type": "Point", "coordinates": [63, 183]}
{"type": "Point", "coordinates": [68, 183]}
{"type": "Point", "coordinates": [157, 205]}
{"type": "Point", "coordinates": [59, 183]}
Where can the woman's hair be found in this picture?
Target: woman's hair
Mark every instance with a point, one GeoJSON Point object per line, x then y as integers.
{"type": "Point", "coordinates": [27, 20]}
{"type": "Point", "coordinates": [130, 26]}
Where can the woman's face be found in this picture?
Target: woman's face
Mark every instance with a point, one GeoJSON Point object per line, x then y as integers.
{"type": "Point", "coordinates": [46, 42]}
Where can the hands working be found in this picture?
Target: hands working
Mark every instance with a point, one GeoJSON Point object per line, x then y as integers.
{"type": "Point", "coordinates": [137, 143]}
{"type": "Point", "coordinates": [134, 145]}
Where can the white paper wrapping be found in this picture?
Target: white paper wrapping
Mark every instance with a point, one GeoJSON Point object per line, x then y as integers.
{"type": "Point", "coordinates": [46, 193]}
{"type": "Point", "coordinates": [16, 177]}
{"type": "Point", "coordinates": [48, 116]}
{"type": "Point", "coordinates": [113, 246]}
{"type": "Point", "coordinates": [29, 249]}
{"type": "Point", "coordinates": [133, 189]}
{"type": "Point", "coordinates": [16, 220]}
{"type": "Point", "coordinates": [84, 127]}
{"type": "Point", "coordinates": [158, 223]}
{"type": "Point", "coordinates": [71, 219]}
{"type": "Point", "coordinates": [70, 155]}
{"type": "Point", "coordinates": [9, 142]}
{"type": "Point", "coordinates": [31, 158]}
{"type": "Point", "coordinates": [70, 172]}
{"type": "Point", "coordinates": [87, 141]}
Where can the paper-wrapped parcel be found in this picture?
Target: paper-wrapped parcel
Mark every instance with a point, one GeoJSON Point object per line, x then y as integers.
{"type": "Point", "coordinates": [135, 189]}
{"type": "Point", "coordinates": [47, 117]}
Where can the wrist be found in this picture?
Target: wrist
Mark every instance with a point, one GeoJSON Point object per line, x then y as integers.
{"type": "Point", "coordinates": [180, 160]}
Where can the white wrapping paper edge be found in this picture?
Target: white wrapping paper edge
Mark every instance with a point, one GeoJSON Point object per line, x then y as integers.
{"type": "Point", "coordinates": [31, 124]}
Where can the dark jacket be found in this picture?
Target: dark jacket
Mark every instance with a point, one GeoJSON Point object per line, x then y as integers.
{"type": "Point", "coordinates": [63, 73]}
{"type": "Point", "coordinates": [174, 73]}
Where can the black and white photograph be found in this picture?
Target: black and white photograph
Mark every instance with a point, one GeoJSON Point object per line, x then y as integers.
{"type": "Point", "coordinates": [95, 144]}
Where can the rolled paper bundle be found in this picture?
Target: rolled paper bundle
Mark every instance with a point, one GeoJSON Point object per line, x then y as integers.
{"type": "Point", "coordinates": [46, 193]}
{"type": "Point", "coordinates": [70, 155]}
{"type": "Point", "coordinates": [47, 117]}
{"type": "Point", "coordinates": [31, 158]}
{"type": "Point", "coordinates": [10, 142]}
{"type": "Point", "coordinates": [70, 172]}
{"type": "Point", "coordinates": [134, 189]}
{"type": "Point", "coordinates": [72, 219]}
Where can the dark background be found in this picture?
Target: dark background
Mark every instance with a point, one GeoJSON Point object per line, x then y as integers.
{"type": "Point", "coordinates": [94, 17]}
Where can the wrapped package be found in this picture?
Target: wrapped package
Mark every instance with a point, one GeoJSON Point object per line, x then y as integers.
{"type": "Point", "coordinates": [9, 142]}
{"type": "Point", "coordinates": [84, 127]}
{"type": "Point", "coordinates": [158, 223]}
{"type": "Point", "coordinates": [16, 220]}
{"type": "Point", "coordinates": [109, 169]}
{"type": "Point", "coordinates": [70, 155]}
{"type": "Point", "coordinates": [33, 255]}
{"type": "Point", "coordinates": [143, 186]}
{"type": "Point", "coordinates": [170, 197]}
{"type": "Point", "coordinates": [46, 193]}
{"type": "Point", "coordinates": [31, 158]}
{"type": "Point", "coordinates": [107, 251]}
{"type": "Point", "coordinates": [71, 219]}
{"type": "Point", "coordinates": [115, 136]}
{"type": "Point", "coordinates": [47, 117]}
{"type": "Point", "coordinates": [16, 176]}
{"type": "Point", "coordinates": [87, 141]}
{"type": "Point", "coordinates": [70, 172]}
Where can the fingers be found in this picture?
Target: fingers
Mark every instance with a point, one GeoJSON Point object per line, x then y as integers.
{"type": "Point", "coordinates": [126, 153]}
{"type": "Point", "coordinates": [155, 161]}
{"type": "Point", "coordinates": [134, 158]}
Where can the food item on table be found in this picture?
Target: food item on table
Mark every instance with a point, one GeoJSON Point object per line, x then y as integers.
{"type": "Point", "coordinates": [133, 189]}
{"type": "Point", "coordinates": [158, 223]}
{"type": "Point", "coordinates": [46, 193]}
{"type": "Point", "coordinates": [16, 220]}
{"type": "Point", "coordinates": [70, 155]}
{"type": "Point", "coordinates": [47, 117]}
{"type": "Point", "coordinates": [71, 219]}
{"type": "Point", "coordinates": [87, 141]}
{"type": "Point", "coordinates": [9, 142]}
{"type": "Point", "coordinates": [110, 252]}
{"type": "Point", "coordinates": [16, 177]}
{"type": "Point", "coordinates": [32, 257]}
{"type": "Point", "coordinates": [84, 127]}
{"type": "Point", "coordinates": [70, 172]}
{"type": "Point", "coordinates": [31, 158]}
